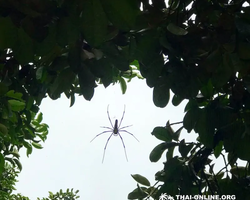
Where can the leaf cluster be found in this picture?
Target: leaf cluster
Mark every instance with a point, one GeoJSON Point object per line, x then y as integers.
{"type": "Point", "coordinates": [199, 50]}
{"type": "Point", "coordinates": [205, 45]}
{"type": "Point", "coordinates": [191, 171]}
{"type": "Point", "coordinates": [19, 126]}
{"type": "Point", "coordinates": [55, 47]}
{"type": "Point", "coordinates": [67, 195]}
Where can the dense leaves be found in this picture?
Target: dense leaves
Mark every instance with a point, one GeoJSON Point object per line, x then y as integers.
{"type": "Point", "coordinates": [199, 50]}
{"type": "Point", "coordinates": [61, 195]}
{"type": "Point", "coordinates": [206, 51]}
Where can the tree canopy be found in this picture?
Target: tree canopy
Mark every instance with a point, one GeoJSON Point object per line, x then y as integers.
{"type": "Point", "coordinates": [199, 50]}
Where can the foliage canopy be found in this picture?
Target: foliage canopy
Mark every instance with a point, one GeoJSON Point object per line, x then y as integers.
{"type": "Point", "coordinates": [200, 50]}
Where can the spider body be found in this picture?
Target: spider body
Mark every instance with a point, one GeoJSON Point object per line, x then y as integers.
{"type": "Point", "coordinates": [116, 131]}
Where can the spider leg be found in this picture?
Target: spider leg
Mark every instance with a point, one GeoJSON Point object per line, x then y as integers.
{"type": "Point", "coordinates": [123, 146]}
{"type": "Point", "coordinates": [128, 133]}
{"type": "Point", "coordinates": [106, 147]}
{"type": "Point", "coordinates": [101, 134]}
{"type": "Point", "coordinates": [125, 127]}
{"type": "Point", "coordinates": [106, 127]}
{"type": "Point", "coordinates": [109, 117]}
{"type": "Point", "coordinates": [122, 116]}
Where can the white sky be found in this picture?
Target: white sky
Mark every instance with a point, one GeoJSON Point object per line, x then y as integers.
{"type": "Point", "coordinates": [69, 160]}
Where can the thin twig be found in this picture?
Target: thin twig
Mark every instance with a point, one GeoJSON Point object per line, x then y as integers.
{"type": "Point", "coordinates": [174, 123]}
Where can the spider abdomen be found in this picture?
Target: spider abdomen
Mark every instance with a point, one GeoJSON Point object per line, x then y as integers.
{"type": "Point", "coordinates": [115, 131]}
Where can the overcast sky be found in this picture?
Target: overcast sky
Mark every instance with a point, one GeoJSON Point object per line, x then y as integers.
{"type": "Point", "coordinates": [69, 160]}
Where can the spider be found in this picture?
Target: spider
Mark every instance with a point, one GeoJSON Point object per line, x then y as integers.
{"type": "Point", "coordinates": [115, 130]}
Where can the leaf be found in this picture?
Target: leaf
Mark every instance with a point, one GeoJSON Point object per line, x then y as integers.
{"type": "Point", "coordinates": [239, 171]}
{"type": "Point", "coordinates": [123, 85]}
{"type": "Point", "coordinates": [35, 123]}
{"type": "Point", "coordinates": [173, 4]}
{"type": "Point", "coordinates": [102, 69]}
{"type": "Point", "coordinates": [176, 134]}
{"type": "Point", "coordinates": [205, 126]}
{"type": "Point", "coordinates": [94, 22]}
{"type": "Point", "coordinates": [213, 60]}
{"type": "Point", "coordinates": [219, 175]}
{"type": "Point", "coordinates": [218, 149]}
{"type": "Point", "coordinates": [207, 89]}
{"type": "Point", "coordinates": [1, 164]}
{"type": "Point", "coordinates": [192, 104]}
{"type": "Point", "coordinates": [152, 70]}
{"type": "Point", "coordinates": [3, 89]}
{"type": "Point", "coordinates": [87, 83]}
{"type": "Point", "coordinates": [3, 129]}
{"type": "Point", "coordinates": [150, 59]}
{"type": "Point", "coordinates": [161, 96]}
{"type": "Point", "coordinates": [176, 30]}
{"type": "Point", "coordinates": [16, 105]}
{"type": "Point", "coordinates": [169, 128]}
{"type": "Point", "coordinates": [120, 62]}
{"type": "Point", "coordinates": [141, 179]}
{"type": "Point", "coordinates": [223, 71]}
{"type": "Point", "coordinates": [162, 133]}
{"type": "Point", "coordinates": [28, 147]}
{"type": "Point", "coordinates": [62, 83]}
{"type": "Point", "coordinates": [24, 48]}
{"type": "Point", "coordinates": [10, 160]}
{"type": "Point", "coordinates": [135, 63]}
{"type": "Point", "coordinates": [15, 154]}
{"type": "Point", "coordinates": [176, 100]}
{"type": "Point", "coordinates": [170, 153]}
{"type": "Point", "coordinates": [39, 73]}
{"type": "Point", "coordinates": [41, 129]}
{"type": "Point", "coordinates": [173, 169]}
{"type": "Point", "coordinates": [191, 118]}
{"type": "Point", "coordinates": [36, 145]}
{"type": "Point", "coordinates": [59, 63]}
{"type": "Point", "coordinates": [14, 95]}
{"type": "Point", "coordinates": [8, 33]}
{"type": "Point", "coordinates": [72, 99]}
{"type": "Point", "coordinates": [49, 43]}
{"type": "Point", "coordinates": [157, 152]}
{"type": "Point", "coordinates": [184, 149]}
{"type": "Point", "coordinates": [67, 30]}
{"type": "Point", "coordinates": [29, 102]}
{"type": "Point", "coordinates": [121, 13]}
{"type": "Point", "coordinates": [39, 117]}
{"type": "Point", "coordinates": [18, 163]}
{"type": "Point", "coordinates": [74, 56]}
{"type": "Point", "coordinates": [137, 193]}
